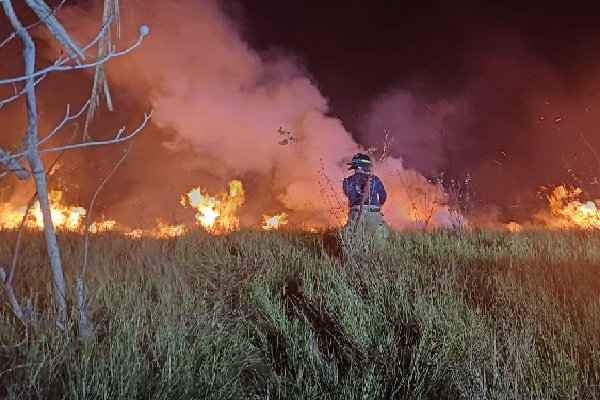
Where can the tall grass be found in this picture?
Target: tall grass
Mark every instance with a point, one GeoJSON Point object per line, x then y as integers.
{"type": "Point", "coordinates": [260, 315]}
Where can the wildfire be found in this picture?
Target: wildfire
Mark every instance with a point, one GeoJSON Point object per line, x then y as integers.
{"type": "Point", "coordinates": [513, 226]}
{"type": "Point", "coordinates": [165, 230]}
{"type": "Point", "coordinates": [274, 222]}
{"type": "Point", "coordinates": [570, 211]}
{"type": "Point", "coordinates": [135, 233]}
{"type": "Point", "coordinates": [104, 226]}
{"type": "Point", "coordinates": [217, 215]}
{"type": "Point", "coordinates": [64, 217]}
{"type": "Point", "coordinates": [162, 231]}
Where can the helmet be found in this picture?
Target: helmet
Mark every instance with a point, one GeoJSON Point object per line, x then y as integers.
{"type": "Point", "coordinates": [360, 161]}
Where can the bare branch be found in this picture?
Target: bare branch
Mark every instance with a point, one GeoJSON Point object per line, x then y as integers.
{"type": "Point", "coordinates": [10, 162]}
{"type": "Point", "coordinates": [46, 15]}
{"type": "Point", "coordinates": [14, 303]}
{"type": "Point", "coordinates": [14, 34]}
{"type": "Point", "coordinates": [9, 38]}
{"type": "Point", "coordinates": [11, 165]}
{"type": "Point", "coordinates": [388, 141]}
{"type": "Point", "coordinates": [20, 93]}
{"type": "Point", "coordinates": [59, 64]}
{"type": "Point", "coordinates": [118, 139]}
{"type": "Point", "coordinates": [66, 119]}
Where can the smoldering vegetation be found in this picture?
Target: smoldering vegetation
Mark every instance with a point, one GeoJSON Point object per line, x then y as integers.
{"type": "Point", "coordinates": [285, 315]}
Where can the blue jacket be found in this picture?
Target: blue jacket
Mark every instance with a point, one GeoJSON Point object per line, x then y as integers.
{"type": "Point", "coordinates": [354, 186]}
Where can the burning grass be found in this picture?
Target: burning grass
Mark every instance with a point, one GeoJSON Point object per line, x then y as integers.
{"type": "Point", "coordinates": [282, 315]}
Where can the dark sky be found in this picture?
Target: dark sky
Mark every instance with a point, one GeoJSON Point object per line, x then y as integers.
{"type": "Point", "coordinates": [358, 49]}
{"type": "Point", "coordinates": [518, 64]}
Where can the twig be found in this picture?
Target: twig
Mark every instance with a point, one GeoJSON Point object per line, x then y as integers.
{"type": "Point", "coordinates": [89, 214]}
{"type": "Point", "coordinates": [46, 15]}
{"type": "Point", "coordinates": [331, 189]}
{"type": "Point", "coordinates": [85, 327]}
{"type": "Point", "coordinates": [59, 64]}
{"type": "Point", "coordinates": [66, 119]}
{"type": "Point", "coordinates": [3, 102]}
{"type": "Point", "coordinates": [118, 139]}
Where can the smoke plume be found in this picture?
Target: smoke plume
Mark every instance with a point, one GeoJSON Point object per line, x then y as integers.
{"type": "Point", "coordinates": [516, 115]}
{"type": "Point", "coordinates": [218, 109]}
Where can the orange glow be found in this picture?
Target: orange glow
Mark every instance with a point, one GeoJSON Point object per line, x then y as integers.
{"type": "Point", "coordinates": [162, 231]}
{"type": "Point", "coordinates": [134, 234]}
{"type": "Point", "coordinates": [165, 230]}
{"type": "Point", "coordinates": [64, 217]}
{"type": "Point", "coordinates": [104, 226]}
{"type": "Point", "coordinates": [216, 214]}
{"type": "Point", "coordinates": [570, 212]}
{"type": "Point", "coordinates": [274, 222]}
{"type": "Point", "coordinates": [309, 228]}
{"type": "Point", "coordinates": [514, 227]}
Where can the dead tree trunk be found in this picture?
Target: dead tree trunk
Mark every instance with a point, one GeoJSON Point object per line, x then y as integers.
{"type": "Point", "coordinates": [35, 162]}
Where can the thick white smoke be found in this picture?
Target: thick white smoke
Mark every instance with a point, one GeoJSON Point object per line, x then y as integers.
{"type": "Point", "coordinates": [226, 102]}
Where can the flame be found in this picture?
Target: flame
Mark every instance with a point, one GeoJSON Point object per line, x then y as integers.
{"type": "Point", "coordinates": [165, 230]}
{"type": "Point", "coordinates": [162, 231]}
{"type": "Point", "coordinates": [311, 229]}
{"type": "Point", "coordinates": [104, 226]}
{"type": "Point", "coordinates": [274, 222]}
{"type": "Point", "coordinates": [64, 217]}
{"type": "Point", "coordinates": [134, 234]}
{"type": "Point", "coordinates": [514, 227]}
{"type": "Point", "coordinates": [217, 215]}
{"type": "Point", "coordinates": [570, 211]}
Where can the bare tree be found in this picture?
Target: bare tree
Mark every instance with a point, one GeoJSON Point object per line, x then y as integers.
{"type": "Point", "coordinates": [13, 162]}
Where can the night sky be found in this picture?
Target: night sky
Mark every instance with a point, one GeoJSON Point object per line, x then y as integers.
{"type": "Point", "coordinates": [357, 50]}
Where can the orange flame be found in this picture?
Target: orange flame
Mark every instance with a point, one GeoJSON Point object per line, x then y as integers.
{"type": "Point", "coordinates": [134, 234]}
{"type": "Point", "coordinates": [217, 215]}
{"type": "Point", "coordinates": [64, 217]}
{"type": "Point", "coordinates": [570, 212]}
{"type": "Point", "coordinates": [274, 222]}
{"type": "Point", "coordinates": [165, 230]}
{"type": "Point", "coordinates": [162, 231]}
{"type": "Point", "coordinates": [104, 226]}
{"type": "Point", "coordinates": [310, 228]}
{"type": "Point", "coordinates": [513, 226]}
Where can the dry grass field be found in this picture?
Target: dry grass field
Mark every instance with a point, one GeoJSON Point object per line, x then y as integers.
{"type": "Point", "coordinates": [276, 315]}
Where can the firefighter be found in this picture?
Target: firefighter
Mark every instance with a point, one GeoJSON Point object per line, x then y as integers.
{"type": "Point", "coordinates": [366, 195]}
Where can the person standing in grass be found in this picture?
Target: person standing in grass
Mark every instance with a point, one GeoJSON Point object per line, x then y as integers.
{"type": "Point", "coordinates": [366, 195]}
